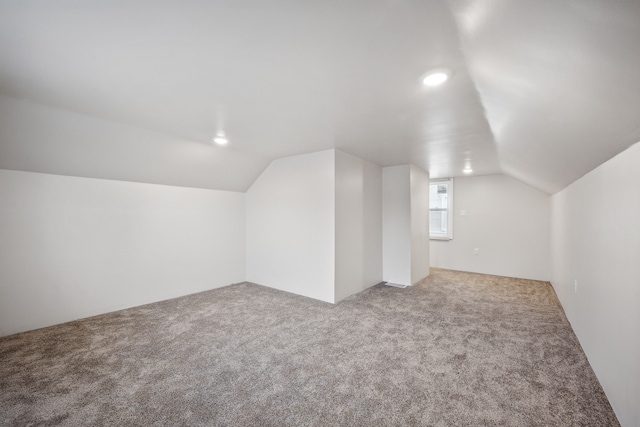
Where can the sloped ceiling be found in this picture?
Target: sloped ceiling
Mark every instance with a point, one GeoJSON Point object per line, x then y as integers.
{"type": "Point", "coordinates": [136, 90]}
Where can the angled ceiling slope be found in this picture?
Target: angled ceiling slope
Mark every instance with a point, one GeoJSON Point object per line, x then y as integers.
{"type": "Point", "coordinates": [135, 91]}
{"type": "Point", "coordinates": [560, 82]}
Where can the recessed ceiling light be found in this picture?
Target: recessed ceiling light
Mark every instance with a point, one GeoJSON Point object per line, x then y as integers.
{"type": "Point", "coordinates": [220, 140]}
{"type": "Point", "coordinates": [467, 170]}
{"type": "Point", "coordinates": [436, 77]}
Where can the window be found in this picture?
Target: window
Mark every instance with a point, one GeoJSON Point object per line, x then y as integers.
{"type": "Point", "coordinates": [441, 209]}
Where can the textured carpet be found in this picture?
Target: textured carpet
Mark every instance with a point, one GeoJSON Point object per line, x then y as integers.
{"type": "Point", "coordinates": [459, 349]}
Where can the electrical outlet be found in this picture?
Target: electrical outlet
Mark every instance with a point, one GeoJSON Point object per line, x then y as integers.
{"type": "Point", "coordinates": [463, 212]}
{"type": "Point", "coordinates": [476, 251]}
{"type": "Point", "coordinates": [575, 286]}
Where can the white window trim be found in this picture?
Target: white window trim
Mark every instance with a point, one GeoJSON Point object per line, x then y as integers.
{"type": "Point", "coordinates": [449, 235]}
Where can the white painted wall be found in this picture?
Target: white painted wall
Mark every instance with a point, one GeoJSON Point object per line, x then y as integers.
{"type": "Point", "coordinates": [372, 224]}
{"type": "Point", "coordinates": [396, 224]}
{"type": "Point", "coordinates": [419, 224]}
{"type": "Point", "coordinates": [76, 247]}
{"type": "Point", "coordinates": [405, 224]}
{"type": "Point", "coordinates": [358, 222]}
{"type": "Point", "coordinates": [508, 221]}
{"type": "Point", "coordinates": [596, 241]}
{"type": "Point", "coordinates": [291, 226]}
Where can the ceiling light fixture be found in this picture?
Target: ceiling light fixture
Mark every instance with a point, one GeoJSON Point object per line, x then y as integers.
{"type": "Point", "coordinates": [436, 77]}
{"type": "Point", "coordinates": [220, 140]}
{"type": "Point", "coordinates": [467, 170]}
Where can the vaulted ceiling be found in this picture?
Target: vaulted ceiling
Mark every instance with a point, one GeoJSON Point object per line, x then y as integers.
{"type": "Point", "coordinates": [541, 91]}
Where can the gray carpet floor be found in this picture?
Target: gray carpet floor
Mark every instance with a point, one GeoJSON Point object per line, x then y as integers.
{"type": "Point", "coordinates": [458, 349]}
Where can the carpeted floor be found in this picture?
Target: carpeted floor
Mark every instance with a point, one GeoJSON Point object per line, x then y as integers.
{"type": "Point", "coordinates": [459, 349]}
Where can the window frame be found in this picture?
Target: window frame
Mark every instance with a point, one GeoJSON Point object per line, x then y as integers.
{"type": "Point", "coordinates": [449, 235]}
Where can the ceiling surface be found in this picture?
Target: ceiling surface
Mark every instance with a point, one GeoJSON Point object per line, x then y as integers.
{"type": "Point", "coordinates": [541, 91]}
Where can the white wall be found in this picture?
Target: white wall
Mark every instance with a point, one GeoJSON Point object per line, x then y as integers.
{"type": "Point", "coordinates": [76, 247]}
{"type": "Point", "coordinates": [508, 221]}
{"type": "Point", "coordinates": [396, 224]}
{"type": "Point", "coordinates": [596, 241]}
{"type": "Point", "coordinates": [419, 224]}
{"type": "Point", "coordinates": [372, 224]}
{"type": "Point", "coordinates": [358, 222]}
{"type": "Point", "coordinates": [291, 226]}
{"type": "Point", "coordinates": [405, 224]}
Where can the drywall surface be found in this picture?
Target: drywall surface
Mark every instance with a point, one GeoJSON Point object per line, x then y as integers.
{"type": "Point", "coordinates": [396, 224]}
{"type": "Point", "coordinates": [419, 224]}
{"type": "Point", "coordinates": [372, 224]}
{"type": "Point", "coordinates": [291, 226]}
{"type": "Point", "coordinates": [506, 220]}
{"type": "Point", "coordinates": [37, 138]}
{"type": "Point", "coordinates": [358, 222]}
{"type": "Point", "coordinates": [596, 242]}
{"type": "Point", "coordinates": [76, 247]}
{"type": "Point", "coordinates": [405, 224]}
